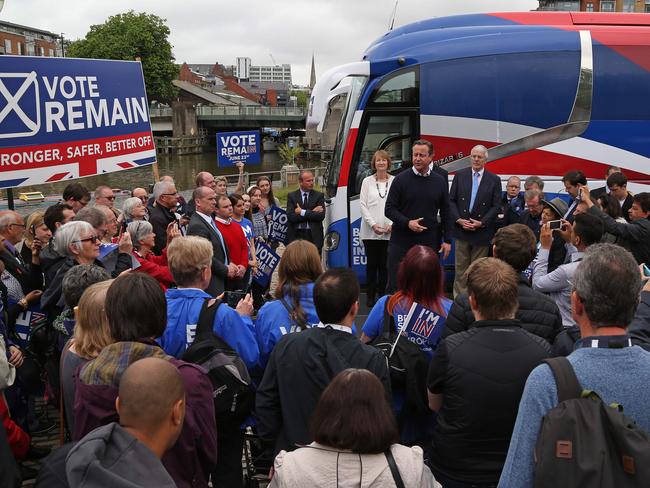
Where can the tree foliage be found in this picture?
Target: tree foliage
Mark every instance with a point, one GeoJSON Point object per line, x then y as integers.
{"type": "Point", "coordinates": [302, 97]}
{"type": "Point", "coordinates": [128, 36]}
{"type": "Point", "coordinates": [289, 154]}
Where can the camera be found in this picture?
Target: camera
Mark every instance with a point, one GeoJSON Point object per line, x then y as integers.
{"type": "Point", "coordinates": [555, 224]}
{"type": "Point", "coordinates": [232, 297]}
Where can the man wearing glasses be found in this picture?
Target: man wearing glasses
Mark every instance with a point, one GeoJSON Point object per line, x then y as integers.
{"type": "Point", "coordinates": [12, 228]}
{"type": "Point", "coordinates": [532, 216]}
{"type": "Point", "coordinates": [163, 212]}
{"type": "Point", "coordinates": [104, 196]}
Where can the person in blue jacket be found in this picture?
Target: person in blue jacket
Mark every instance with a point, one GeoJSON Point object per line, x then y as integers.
{"type": "Point", "coordinates": [419, 279]}
{"type": "Point", "coordinates": [293, 310]}
{"type": "Point", "coordinates": [189, 262]}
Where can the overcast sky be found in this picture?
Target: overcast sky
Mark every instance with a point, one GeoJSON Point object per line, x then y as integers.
{"type": "Point", "coordinates": [206, 31]}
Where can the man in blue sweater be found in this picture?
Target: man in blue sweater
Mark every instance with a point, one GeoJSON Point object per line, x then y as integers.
{"type": "Point", "coordinates": [605, 295]}
{"type": "Point", "coordinates": [413, 203]}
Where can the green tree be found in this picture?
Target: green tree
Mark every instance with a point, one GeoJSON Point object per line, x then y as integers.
{"type": "Point", "coordinates": [289, 154]}
{"type": "Point", "coordinates": [302, 97]}
{"type": "Point", "coordinates": [129, 36]}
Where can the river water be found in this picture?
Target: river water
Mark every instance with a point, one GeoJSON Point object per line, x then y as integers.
{"type": "Point", "coordinates": [182, 168]}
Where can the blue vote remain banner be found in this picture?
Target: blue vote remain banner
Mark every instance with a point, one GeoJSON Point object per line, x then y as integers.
{"type": "Point", "coordinates": [268, 260]}
{"type": "Point", "coordinates": [235, 147]}
{"type": "Point", "coordinates": [279, 225]}
{"type": "Point", "coordinates": [63, 118]}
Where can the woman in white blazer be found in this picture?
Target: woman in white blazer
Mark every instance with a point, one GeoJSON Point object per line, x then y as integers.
{"type": "Point", "coordinates": [375, 226]}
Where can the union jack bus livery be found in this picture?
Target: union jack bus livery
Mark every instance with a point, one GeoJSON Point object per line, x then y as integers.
{"type": "Point", "coordinates": [546, 92]}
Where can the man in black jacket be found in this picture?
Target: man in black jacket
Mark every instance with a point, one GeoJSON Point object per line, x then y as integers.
{"type": "Point", "coordinates": [306, 212]}
{"type": "Point", "coordinates": [634, 236]}
{"type": "Point", "coordinates": [414, 200]}
{"type": "Point", "coordinates": [538, 313]}
{"type": "Point", "coordinates": [302, 364]}
{"type": "Point", "coordinates": [476, 379]}
{"type": "Point", "coordinates": [202, 224]}
{"type": "Point", "coordinates": [162, 213]}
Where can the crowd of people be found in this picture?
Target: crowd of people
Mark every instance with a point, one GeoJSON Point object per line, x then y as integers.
{"type": "Point", "coordinates": [123, 320]}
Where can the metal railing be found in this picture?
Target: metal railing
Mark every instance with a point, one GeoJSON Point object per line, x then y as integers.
{"type": "Point", "coordinates": [234, 111]}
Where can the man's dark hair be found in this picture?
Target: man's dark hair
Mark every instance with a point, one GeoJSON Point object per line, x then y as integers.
{"type": "Point", "coordinates": [335, 292]}
{"type": "Point", "coordinates": [589, 228]}
{"type": "Point", "coordinates": [136, 308]}
{"type": "Point", "coordinates": [76, 192]}
{"type": "Point", "coordinates": [607, 282]}
{"type": "Point", "coordinates": [575, 177]}
{"type": "Point", "coordinates": [424, 142]}
{"type": "Point", "coordinates": [220, 198]}
{"type": "Point", "coordinates": [616, 179]}
{"type": "Point", "coordinates": [516, 245]}
{"type": "Point", "coordinates": [54, 215]}
{"type": "Point", "coordinates": [643, 200]}
{"type": "Point", "coordinates": [353, 413]}
{"type": "Point", "coordinates": [78, 279]}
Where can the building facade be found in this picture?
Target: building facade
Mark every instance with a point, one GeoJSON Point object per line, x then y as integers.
{"type": "Point", "coordinates": [596, 5]}
{"type": "Point", "coordinates": [20, 40]}
{"type": "Point", "coordinates": [244, 70]}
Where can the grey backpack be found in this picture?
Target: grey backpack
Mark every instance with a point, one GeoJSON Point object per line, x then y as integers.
{"type": "Point", "coordinates": [583, 442]}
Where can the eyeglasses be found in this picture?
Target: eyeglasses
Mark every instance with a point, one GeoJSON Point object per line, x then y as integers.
{"type": "Point", "coordinates": [170, 194]}
{"type": "Point", "coordinates": [18, 225]}
{"type": "Point", "coordinates": [110, 197]}
{"type": "Point", "coordinates": [92, 239]}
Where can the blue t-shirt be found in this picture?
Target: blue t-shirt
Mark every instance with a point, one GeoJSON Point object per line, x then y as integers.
{"type": "Point", "coordinates": [247, 225]}
{"type": "Point", "coordinates": [426, 338]}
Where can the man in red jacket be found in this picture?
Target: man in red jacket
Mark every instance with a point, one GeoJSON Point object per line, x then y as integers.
{"type": "Point", "coordinates": [235, 239]}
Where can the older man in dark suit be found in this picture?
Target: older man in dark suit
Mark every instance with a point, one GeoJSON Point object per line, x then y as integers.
{"type": "Point", "coordinates": [202, 224]}
{"type": "Point", "coordinates": [305, 212]}
{"type": "Point", "coordinates": [474, 202]}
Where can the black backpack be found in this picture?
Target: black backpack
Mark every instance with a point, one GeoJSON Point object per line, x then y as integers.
{"type": "Point", "coordinates": [407, 365]}
{"type": "Point", "coordinates": [233, 392]}
{"type": "Point", "coordinates": [583, 442]}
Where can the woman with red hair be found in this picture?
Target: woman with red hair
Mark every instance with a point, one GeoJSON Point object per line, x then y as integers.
{"type": "Point", "coordinates": [420, 279]}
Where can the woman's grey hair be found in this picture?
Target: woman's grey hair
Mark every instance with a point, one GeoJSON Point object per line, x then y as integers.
{"type": "Point", "coordinates": [608, 283]}
{"type": "Point", "coordinates": [78, 278]}
{"type": "Point", "coordinates": [69, 234]}
{"type": "Point", "coordinates": [138, 231]}
{"type": "Point", "coordinates": [128, 206]}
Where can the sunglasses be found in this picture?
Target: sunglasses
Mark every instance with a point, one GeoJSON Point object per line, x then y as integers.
{"type": "Point", "coordinates": [92, 239]}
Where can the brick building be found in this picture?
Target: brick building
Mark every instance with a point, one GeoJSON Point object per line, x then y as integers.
{"type": "Point", "coordinates": [21, 40]}
{"type": "Point", "coordinates": [596, 5]}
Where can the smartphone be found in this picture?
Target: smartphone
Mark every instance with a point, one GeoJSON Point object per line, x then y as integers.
{"type": "Point", "coordinates": [646, 270]}
{"type": "Point", "coordinates": [555, 224]}
{"type": "Point", "coordinates": [232, 297]}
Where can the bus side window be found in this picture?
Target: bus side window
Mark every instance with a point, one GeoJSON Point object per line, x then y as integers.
{"type": "Point", "coordinates": [389, 132]}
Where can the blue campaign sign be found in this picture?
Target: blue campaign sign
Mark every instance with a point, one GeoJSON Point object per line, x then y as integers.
{"type": "Point", "coordinates": [63, 118]}
{"type": "Point", "coordinates": [278, 225]}
{"type": "Point", "coordinates": [235, 147]}
{"type": "Point", "coordinates": [268, 261]}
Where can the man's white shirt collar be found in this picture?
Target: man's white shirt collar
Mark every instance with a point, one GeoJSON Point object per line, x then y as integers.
{"type": "Point", "coordinates": [479, 172]}
{"type": "Point", "coordinates": [342, 328]}
{"type": "Point", "coordinates": [417, 173]}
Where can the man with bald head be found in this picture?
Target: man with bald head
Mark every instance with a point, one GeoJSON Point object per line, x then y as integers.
{"type": "Point", "coordinates": [474, 204]}
{"type": "Point", "coordinates": [151, 408]}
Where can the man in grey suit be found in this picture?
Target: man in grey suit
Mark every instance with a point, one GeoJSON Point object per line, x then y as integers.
{"type": "Point", "coordinates": [202, 224]}
{"type": "Point", "coordinates": [474, 203]}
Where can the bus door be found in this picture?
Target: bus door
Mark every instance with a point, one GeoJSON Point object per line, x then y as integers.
{"type": "Point", "coordinates": [392, 132]}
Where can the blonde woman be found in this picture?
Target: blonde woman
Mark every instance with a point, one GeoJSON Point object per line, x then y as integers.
{"type": "Point", "coordinates": [91, 335]}
{"type": "Point", "coordinates": [375, 226]}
